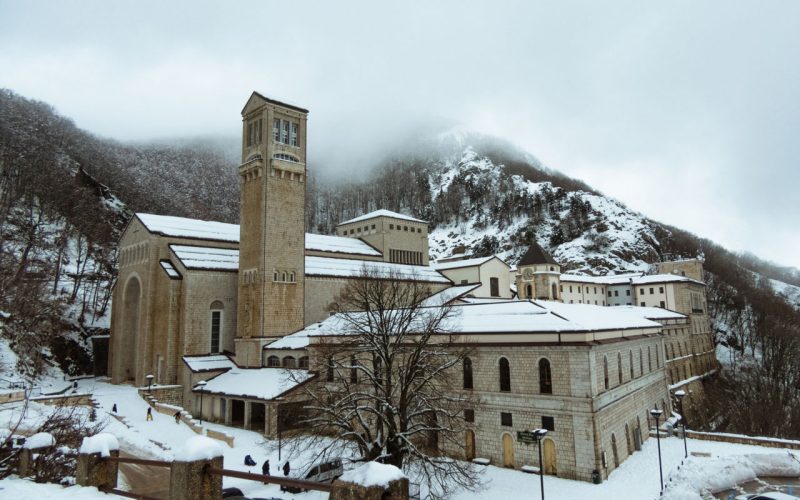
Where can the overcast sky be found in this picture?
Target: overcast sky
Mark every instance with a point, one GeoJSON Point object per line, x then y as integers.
{"type": "Point", "coordinates": [685, 111]}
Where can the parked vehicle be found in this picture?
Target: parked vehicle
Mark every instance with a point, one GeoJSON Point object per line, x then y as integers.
{"type": "Point", "coordinates": [325, 472]}
{"type": "Point", "coordinates": [770, 495]}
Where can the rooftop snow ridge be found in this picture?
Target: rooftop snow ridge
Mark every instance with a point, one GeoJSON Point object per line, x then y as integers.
{"type": "Point", "coordinates": [382, 213]}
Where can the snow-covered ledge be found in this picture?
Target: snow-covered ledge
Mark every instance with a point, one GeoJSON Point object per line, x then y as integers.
{"type": "Point", "coordinates": [371, 481]}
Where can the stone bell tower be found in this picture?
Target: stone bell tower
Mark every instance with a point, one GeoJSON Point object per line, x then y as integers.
{"type": "Point", "coordinates": [272, 180]}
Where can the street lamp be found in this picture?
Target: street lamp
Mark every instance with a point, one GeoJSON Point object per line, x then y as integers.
{"type": "Point", "coordinates": [149, 378]}
{"type": "Point", "coordinates": [680, 394]}
{"type": "Point", "coordinates": [201, 385]}
{"type": "Point", "coordinates": [656, 413]}
{"type": "Point", "coordinates": [539, 434]}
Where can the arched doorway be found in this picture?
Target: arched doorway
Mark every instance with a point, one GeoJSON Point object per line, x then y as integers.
{"type": "Point", "coordinates": [128, 341]}
{"type": "Point", "coordinates": [554, 290]}
{"type": "Point", "coordinates": [614, 450]}
{"type": "Point", "coordinates": [508, 450]}
{"type": "Point", "coordinates": [549, 454]}
{"type": "Point", "coordinates": [469, 445]}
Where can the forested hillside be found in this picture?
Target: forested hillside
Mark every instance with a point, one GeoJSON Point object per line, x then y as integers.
{"type": "Point", "coordinates": [65, 195]}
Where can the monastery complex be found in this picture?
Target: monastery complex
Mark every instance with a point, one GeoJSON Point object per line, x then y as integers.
{"type": "Point", "coordinates": [239, 306]}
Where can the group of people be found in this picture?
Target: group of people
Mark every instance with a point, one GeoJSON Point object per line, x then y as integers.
{"type": "Point", "coordinates": [248, 461]}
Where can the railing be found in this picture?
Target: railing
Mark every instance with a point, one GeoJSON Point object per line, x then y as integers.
{"type": "Point", "coordinates": [282, 481]}
{"type": "Point", "coordinates": [127, 494]}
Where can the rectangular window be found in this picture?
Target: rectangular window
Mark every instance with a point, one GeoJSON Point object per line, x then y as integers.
{"type": "Point", "coordinates": [464, 282]}
{"type": "Point", "coordinates": [641, 291]}
{"type": "Point", "coordinates": [641, 304]}
{"type": "Point", "coordinates": [505, 419]}
{"type": "Point", "coordinates": [549, 423]}
{"type": "Point", "coordinates": [595, 289]}
{"type": "Point", "coordinates": [651, 291]}
{"type": "Point", "coordinates": [285, 131]}
{"type": "Point", "coordinates": [373, 227]}
{"type": "Point", "coordinates": [216, 327]}
{"type": "Point", "coordinates": [616, 293]}
{"type": "Point", "coordinates": [494, 286]}
{"type": "Point", "coordinates": [570, 289]}
{"type": "Point", "coordinates": [661, 289]}
{"type": "Point", "coordinates": [579, 289]}
{"type": "Point", "coordinates": [391, 226]}
{"type": "Point", "coordinates": [469, 415]}
{"type": "Point", "coordinates": [628, 293]}
{"type": "Point", "coordinates": [609, 293]}
{"type": "Point", "coordinates": [663, 305]}
{"type": "Point", "coordinates": [276, 130]}
{"type": "Point", "coordinates": [293, 137]}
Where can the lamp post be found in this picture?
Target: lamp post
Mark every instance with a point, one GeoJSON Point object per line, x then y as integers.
{"type": "Point", "coordinates": [539, 434]}
{"type": "Point", "coordinates": [201, 385]}
{"type": "Point", "coordinates": [149, 378]}
{"type": "Point", "coordinates": [680, 394]}
{"type": "Point", "coordinates": [656, 413]}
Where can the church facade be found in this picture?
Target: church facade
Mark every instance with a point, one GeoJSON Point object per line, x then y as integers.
{"type": "Point", "coordinates": [234, 304]}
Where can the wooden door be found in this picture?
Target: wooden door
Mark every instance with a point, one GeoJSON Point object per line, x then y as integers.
{"type": "Point", "coordinates": [549, 452]}
{"type": "Point", "coordinates": [469, 447]}
{"type": "Point", "coordinates": [508, 451]}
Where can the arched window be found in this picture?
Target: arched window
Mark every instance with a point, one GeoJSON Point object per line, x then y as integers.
{"type": "Point", "coordinates": [619, 367]}
{"type": "Point", "coordinates": [353, 370]}
{"type": "Point", "coordinates": [273, 361]}
{"type": "Point", "coordinates": [215, 326]}
{"type": "Point", "coordinates": [628, 439]}
{"type": "Point", "coordinates": [555, 291]}
{"type": "Point", "coordinates": [289, 362]}
{"type": "Point", "coordinates": [505, 375]}
{"type": "Point", "coordinates": [329, 370]}
{"type": "Point", "coordinates": [545, 380]}
{"type": "Point", "coordinates": [630, 359]}
{"type": "Point", "coordinates": [303, 362]}
{"type": "Point", "coordinates": [641, 362]}
{"type": "Point", "coordinates": [605, 371]}
{"type": "Point", "coordinates": [614, 450]}
{"type": "Point", "coordinates": [467, 373]}
{"type": "Point", "coordinates": [528, 291]}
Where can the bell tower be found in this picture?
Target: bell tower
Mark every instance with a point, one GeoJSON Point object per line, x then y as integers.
{"type": "Point", "coordinates": [272, 179]}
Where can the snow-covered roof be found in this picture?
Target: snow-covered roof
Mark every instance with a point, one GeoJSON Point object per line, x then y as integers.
{"type": "Point", "coordinates": [215, 259]}
{"type": "Point", "coordinates": [323, 243]}
{"type": "Point", "coordinates": [208, 363]}
{"type": "Point", "coordinates": [297, 340]}
{"type": "Point", "coordinates": [170, 269]}
{"type": "Point", "coordinates": [664, 278]}
{"type": "Point", "coordinates": [327, 266]}
{"type": "Point", "coordinates": [614, 279]}
{"type": "Point", "coordinates": [654, 313]}
{"type": "Point", "coordinates": [448, 295]}
{"type": "Point", "coordinates": [182, 227]}
{"type": "Point", "coordinates": [382, 213]}
{"type": "Point", "coordinates": [258, 383]}
{"type": "Point", "coordinates": [455, 264]}
{"type": "Point", "coordinates": [514, 316]}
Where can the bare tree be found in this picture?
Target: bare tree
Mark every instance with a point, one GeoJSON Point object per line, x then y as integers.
{"type": "Point", "coordinates": [389, 382]}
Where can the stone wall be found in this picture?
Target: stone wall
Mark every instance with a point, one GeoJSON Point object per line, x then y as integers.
{"type": "Point", "coordinates": [740, 439]}
{"type": "Point", "coordinates": [168, 394]}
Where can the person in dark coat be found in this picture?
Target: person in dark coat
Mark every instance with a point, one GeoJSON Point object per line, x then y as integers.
{"type": "Point", "coordinates": [149, 414]}
{"type": "Point", "coordinates": [114, 408]}
{"type": "Point", "coordinates": [248, 461]}
{"type": "Point", "coordinates": [177, 417]}
{"type": "Point", "coordinates": [265, 468]}
{"type": "Point", "coordinates": [286, 468]}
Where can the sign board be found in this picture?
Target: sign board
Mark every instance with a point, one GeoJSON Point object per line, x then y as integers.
{"type": "Point", "coordinates": [526, 437]}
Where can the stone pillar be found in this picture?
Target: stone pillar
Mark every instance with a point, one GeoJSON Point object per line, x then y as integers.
{"type": "Point", "coordinates": [227, 416]}
{"type": "Point", "coordinates": [98, 471]}
{"type": "Point", "coordinates": [247, 408]}
{"type": "Point", "coordinates": [25, 462]}
{"type": "Point", "coordinates": [341, 490]}
{"type": "Point", "coordinates": [189, 481]}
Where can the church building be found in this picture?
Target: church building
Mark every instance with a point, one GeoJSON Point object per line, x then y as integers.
{"type": "Point", "coordinates": [237, 306]}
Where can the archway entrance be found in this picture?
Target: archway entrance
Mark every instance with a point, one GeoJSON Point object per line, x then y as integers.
{"type": "Point", "coordinates": [508, 451]}
{"type": "Point", "coordinates": [131, 309]}
{"type": "Point", "coordinates": [469, 445]}
{"type": "Point", "coordinates": [549, 454]}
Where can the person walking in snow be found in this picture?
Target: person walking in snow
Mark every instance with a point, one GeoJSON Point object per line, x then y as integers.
{"type": "Point", "coordinates": [149, 414]}
{"type": "Point", "coordinates": [177, 417]}
{"type": "Point", "coordinates": [248, 461]}
{"type": "Point", "coordinates": [286, 469]}
{"type": "Point", "coordinates": [265, 468]}
{"type": "Point", "coordinates": [114, 408]}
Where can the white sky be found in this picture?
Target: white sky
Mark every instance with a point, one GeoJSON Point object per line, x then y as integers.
{"type": "Point", "coordinates": [687, 111]}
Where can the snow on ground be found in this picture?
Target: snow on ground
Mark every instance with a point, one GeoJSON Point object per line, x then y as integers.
{"type": "Point", "coordinates": [636, 478]}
